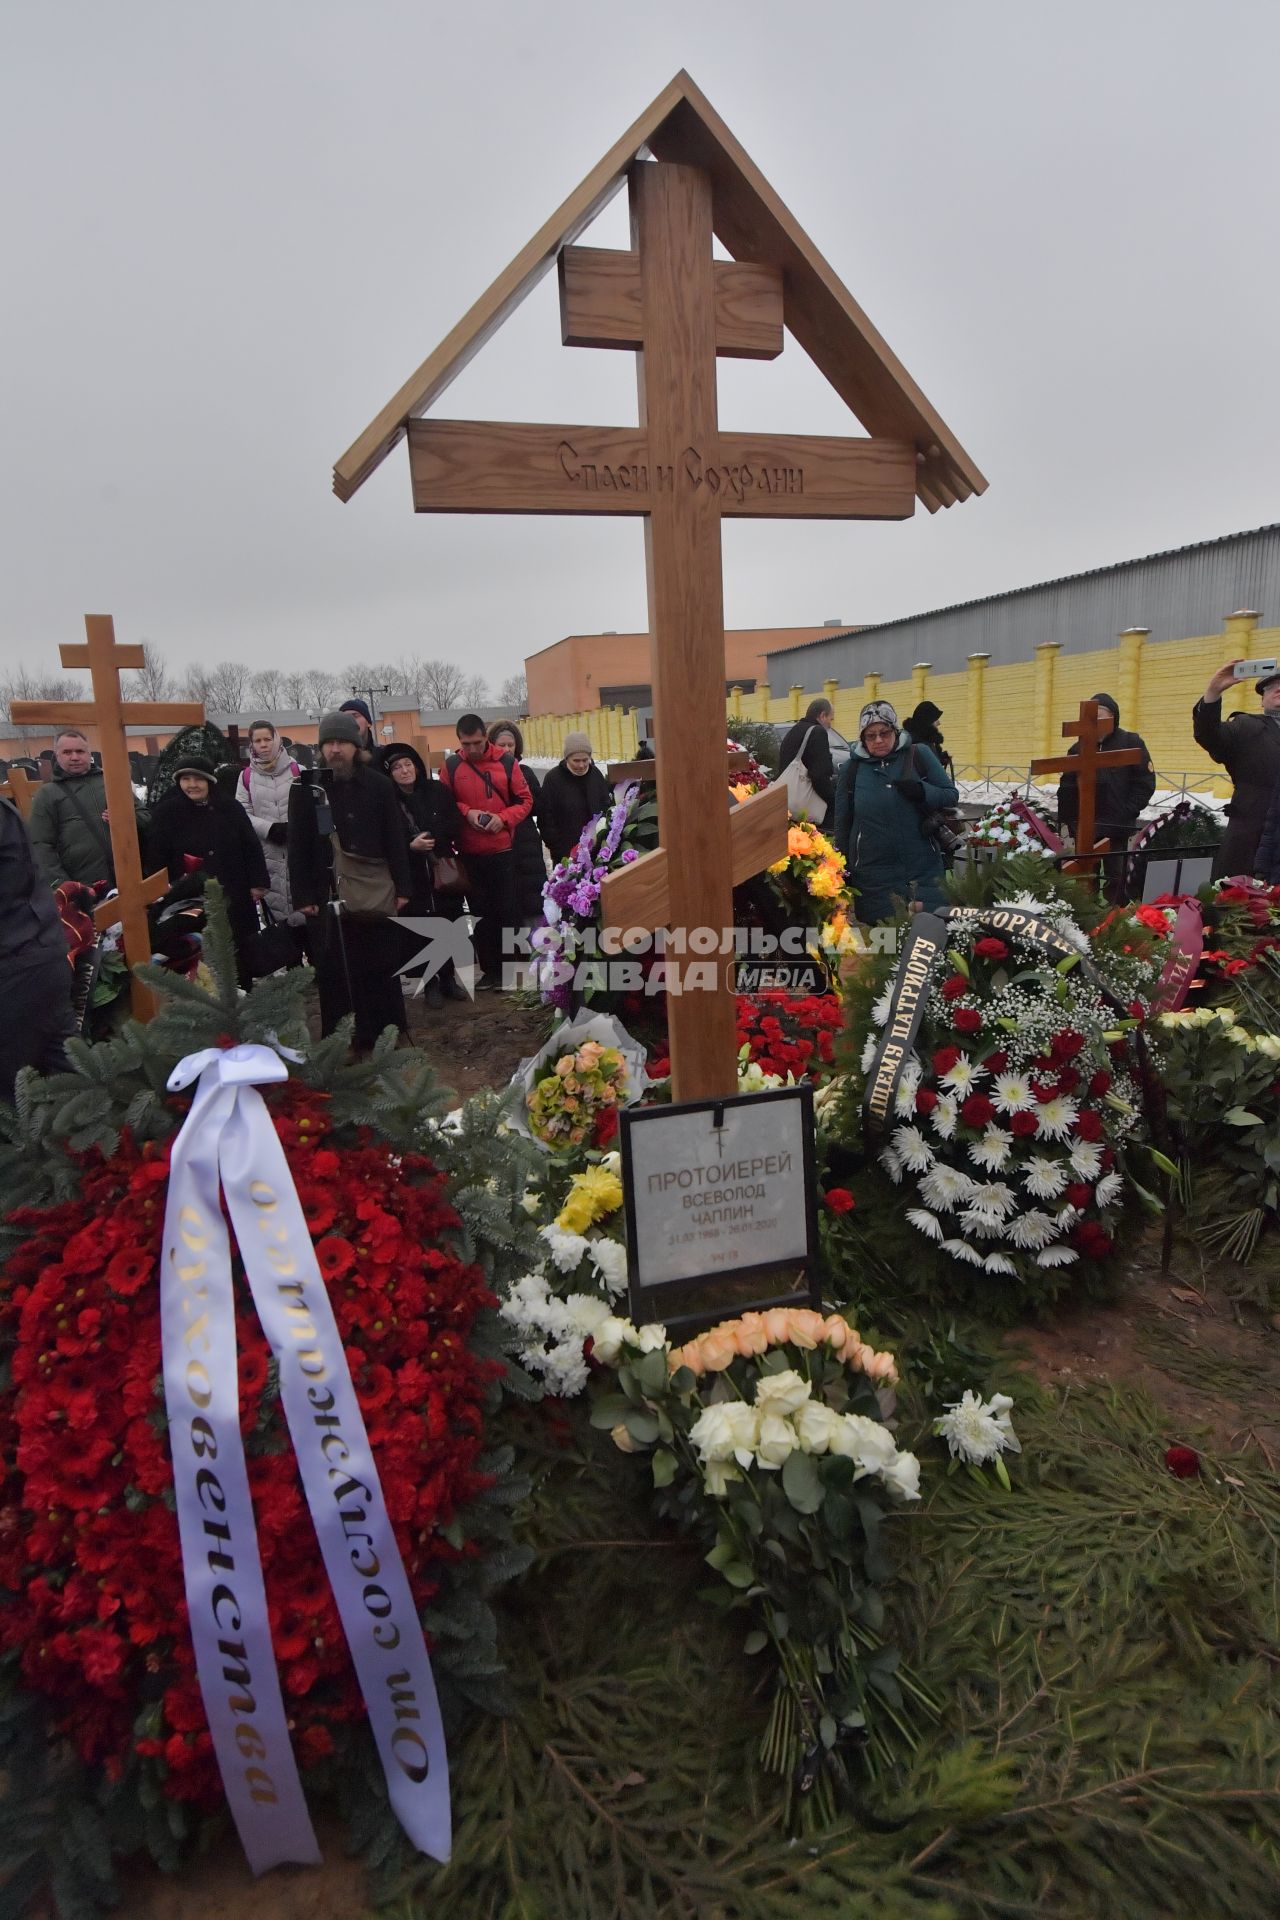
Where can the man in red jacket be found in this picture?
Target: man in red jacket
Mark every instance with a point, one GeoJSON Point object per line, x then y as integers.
{"type": "Point", "coordinates": [493, 797]}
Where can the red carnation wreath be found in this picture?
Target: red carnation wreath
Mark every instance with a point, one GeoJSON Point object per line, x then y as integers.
{"type": "Point", "coordinates": [89, 1553]}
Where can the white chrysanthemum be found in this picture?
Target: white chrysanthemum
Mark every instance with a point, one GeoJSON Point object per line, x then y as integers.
{"type": "Point", "coordinates": [1012, 1093]}
{"type": "Point", "coordinates": [1057, 1257]}
{"type": "Point", "coordinates": [904, 1100]}
{"type": "Point", "coordinates": [586, 1312]}
{"type": "Point", "coordinates": [991, 1152]}
{"type": "Point", "coordinates": [963, 1077]}
{"type": "Point", "coordinates": [994, 1197]}
{"type": "Point", "coordinates": [961, 1250]}
{"type": "Point", "coordinates": [881, 1008]}
{"type": "Point", "coordinates": [1034, 1229]}
{"type": "Point", "coordinates": [1056, 1117]}
{"type": "Point", "coordinates": [976, 1430]}
{"type": "Point", "coordinates": [1045, 1178]}
{"type": "Point", "coordinates": [1086, 1159]}
{"type": "Point", "coordinates": [524, 1305]}
{"type": "Point", "coordinates": [609, 1258]}
{"type": "Point", "coordinates": [999, 1263]}
{"type": "Point", "coordinates": [890, 1162]}
{"type": "Point", "coordinates": [869, 1052]}
{"type": "Point", "coordinates": [987, 1226]}
{"type": "Point", "coordinates": [945, 1116]}
{"type": "Point", "coordinates": [946, 1187]}
{"type": "Point", "coordinates": [1109, 1189]}
{"type": "Point", "coordinates": [566, 1249]}
{"type": "Point", "coordinates": [565, 1372]}
{"type": "Point", "coordinates": [913, 1150]}
{"type": "Point", "coordinates": [925, 1222]}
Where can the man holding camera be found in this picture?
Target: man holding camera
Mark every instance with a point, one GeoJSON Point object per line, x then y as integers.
{"type": "Point", "coordinates": [493, 797]}
{"type": "Point", "coordinates": [349, 876]}
{"type": "Point", "coordinates": [1248, 746]}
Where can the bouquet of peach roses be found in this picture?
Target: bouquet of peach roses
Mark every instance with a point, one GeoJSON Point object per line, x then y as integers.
{"type": "Point", "coordinates": [564, 1104]}
{"type": "Point", "coordinates": [768, 1440]}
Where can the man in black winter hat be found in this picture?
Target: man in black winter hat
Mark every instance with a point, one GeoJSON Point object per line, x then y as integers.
{"type": "Point", "coordinates": [1119, 797]}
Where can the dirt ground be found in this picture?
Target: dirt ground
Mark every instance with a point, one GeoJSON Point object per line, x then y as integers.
{"type": "Point", "coordinates": [478, 1043]}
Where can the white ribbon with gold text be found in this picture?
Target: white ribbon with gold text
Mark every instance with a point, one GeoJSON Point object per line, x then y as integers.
{"type": "Point", "coordinates": [228, 1142]}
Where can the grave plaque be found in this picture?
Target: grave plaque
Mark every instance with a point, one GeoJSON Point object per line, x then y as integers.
{"type": "Point", "coordinates": [720, 1205]}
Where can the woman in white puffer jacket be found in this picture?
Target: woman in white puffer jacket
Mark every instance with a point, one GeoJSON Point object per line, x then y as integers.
{"type": "Point", "coordinates": [263, 788]}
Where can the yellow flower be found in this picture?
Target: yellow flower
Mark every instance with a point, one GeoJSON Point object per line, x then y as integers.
{"type": "Point", "coordinates": [824, 884]}
{"type": "Point", "coordinates": [576, 1215]}
{"type": "Point", "coordinates": [595, 1192]}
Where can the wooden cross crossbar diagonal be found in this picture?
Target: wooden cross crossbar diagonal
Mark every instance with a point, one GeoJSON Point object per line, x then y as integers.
{"type": "Point", "coordinates": [21, 789]}
{"type": "Point", "coordinates": [1086, 765]}
{"type": "Point", "coordinates": [111, 715]}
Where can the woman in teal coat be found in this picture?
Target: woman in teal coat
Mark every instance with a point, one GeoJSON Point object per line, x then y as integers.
{"type": "Point", "coordinates": [886, 787]}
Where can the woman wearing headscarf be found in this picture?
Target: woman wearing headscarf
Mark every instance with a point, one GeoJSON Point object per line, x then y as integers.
{"type": "Point", "coordinates": [923, 727]}
{"type": "Point", "coordinates": [885, 789]}
{"type": "Point", "coordinates": [434, 827]}
{"type": "Point", "coordinates": [530, 862]}
{"type": "Point", "coordinates": [202, 834]}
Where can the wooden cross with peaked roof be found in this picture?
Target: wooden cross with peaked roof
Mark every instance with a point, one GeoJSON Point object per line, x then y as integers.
{"type": "Point", "coordinates": [111, 715]}
{"type": "Point", "coordinates": [677, 307]}
{"type": "Point", "coordinates": [1086, 765]}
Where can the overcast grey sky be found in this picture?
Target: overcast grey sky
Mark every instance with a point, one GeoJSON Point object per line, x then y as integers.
{"type": "Point", "coordinates": [230, 231]}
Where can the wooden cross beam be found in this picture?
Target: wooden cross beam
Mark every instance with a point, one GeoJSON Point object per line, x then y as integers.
{"type": "Point", "coordinates": [111, 715]}
{"type": "Point", "coordinates": [21, 789]}
{"type": "Point", "coordinates": [621, 772]}
{"type": "Point", "coordinates": [1086, 765]}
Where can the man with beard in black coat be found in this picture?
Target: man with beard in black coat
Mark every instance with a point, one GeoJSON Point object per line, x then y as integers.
{"type": "Point", "coordinates": [355, 954]}
{"type": "Point", "coordinates": [1119, 794]}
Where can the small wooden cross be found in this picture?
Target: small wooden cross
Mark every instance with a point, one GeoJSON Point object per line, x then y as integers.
{"type": "Point", "coordinates": [21, 789]}
{"type": "Point", "coordinates": [1086, 765]}
{"type": "Point", "coordinates": [111, 715]}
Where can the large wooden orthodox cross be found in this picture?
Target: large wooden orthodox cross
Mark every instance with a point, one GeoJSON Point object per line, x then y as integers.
{"type": "Point", "coordinates": [111, 715]}
{"type": "Point", "coordinates": [1086, 765]}
{"type": "Point", "coordinates": [677, 307]}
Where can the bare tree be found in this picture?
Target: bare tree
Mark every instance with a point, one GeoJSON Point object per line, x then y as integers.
{"type": "Point", "coordinates": [293, 690]}
{"type": "Point", "coordinates": [443, 684]}
{"type": "Point", "coordinates": [474, 691]}
{"type": "Point", "coordinates": [320, 687]}
{"type": "Point", "coordinates": [514, 692]}
{"type": "Point", "coordinates": [23, 683]}
{"type": "Point", "coordinates": [152, 681]}
{"type": "Point", "coordinates": [228, 686]}
{"type": "Point", "coordinates": [265, 688]}
{"type": "Point", "coordinates": [195, 685]}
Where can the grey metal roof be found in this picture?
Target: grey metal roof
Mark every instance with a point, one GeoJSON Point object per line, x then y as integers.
{"type": "Point", "coordinates": [1177, 593]}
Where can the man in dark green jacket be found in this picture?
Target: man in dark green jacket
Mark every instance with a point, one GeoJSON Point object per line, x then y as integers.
{"type": "Point", "coordinates": [68, 823]}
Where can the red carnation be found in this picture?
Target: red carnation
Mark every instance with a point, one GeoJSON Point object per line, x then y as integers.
{"type": "Point", "coordinates": [1232, 896]}
{"type": "Point", "coordinates": [1137, 1010]}
{"type": "Point", "coordinates": [990, 948]}
{"type": "Point", "coordinates": [606, 1127]}
{"type": "Point", "coordinates": [1065, 1047]}
{"type": "Point", "coordinates": [977, 1111]}
{"type": "Point", "coordinates": [1068, 1080]}
{"type": "Point", "coordinates": [954, 987]}
{"type": "Point", "coordinates": [944, 1059]}
{"type": "Point", "coordinates": [1044, 1090]}
{"type": "Point", "coordinates": [996, 1062]}
{"type": "Point", "coordinates": [839, 1199]}
{"type": "Point", "coordinates": [1023, 1125]}
{"type": "Point", "coordinates": [1100, 1083]}
{"type": "Point", "coordinates": [926, 1100]}
{"type": "Point", "coordinates": [1182, 1461]}
{"type": "Point", "coordinates": [1088, 1125]}
{"type": "Point", "coordinates": [1077, 1195]}
{"type": "Point", "coordinates": [1092, 1240]}
{"type": "Point", "coordinates": [966, 1020]}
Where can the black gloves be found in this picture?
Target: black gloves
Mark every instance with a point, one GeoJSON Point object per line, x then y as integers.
{"type": "Point", "coordinates": [278, 833]}
{"type": "Point", "coordinates": [912, 790]}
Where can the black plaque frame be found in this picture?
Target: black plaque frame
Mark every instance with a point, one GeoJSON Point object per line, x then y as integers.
{"type": "Point", "coordinates": [650, 1302]}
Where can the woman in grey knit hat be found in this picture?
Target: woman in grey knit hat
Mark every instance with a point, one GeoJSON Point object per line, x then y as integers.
{"type": "Point", "coordinates": [572, 794]}
{"type": "Point", "coordinates": [886, 787]}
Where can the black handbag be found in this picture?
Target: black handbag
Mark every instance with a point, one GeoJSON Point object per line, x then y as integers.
{"type": "Point", "coordinates": [273, 946]}
{"type": "Point", "coordinates": [941, 827]}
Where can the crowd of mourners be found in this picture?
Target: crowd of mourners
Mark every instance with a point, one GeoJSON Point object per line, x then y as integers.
{"type": "Point", "coordinates": [321, 864]}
